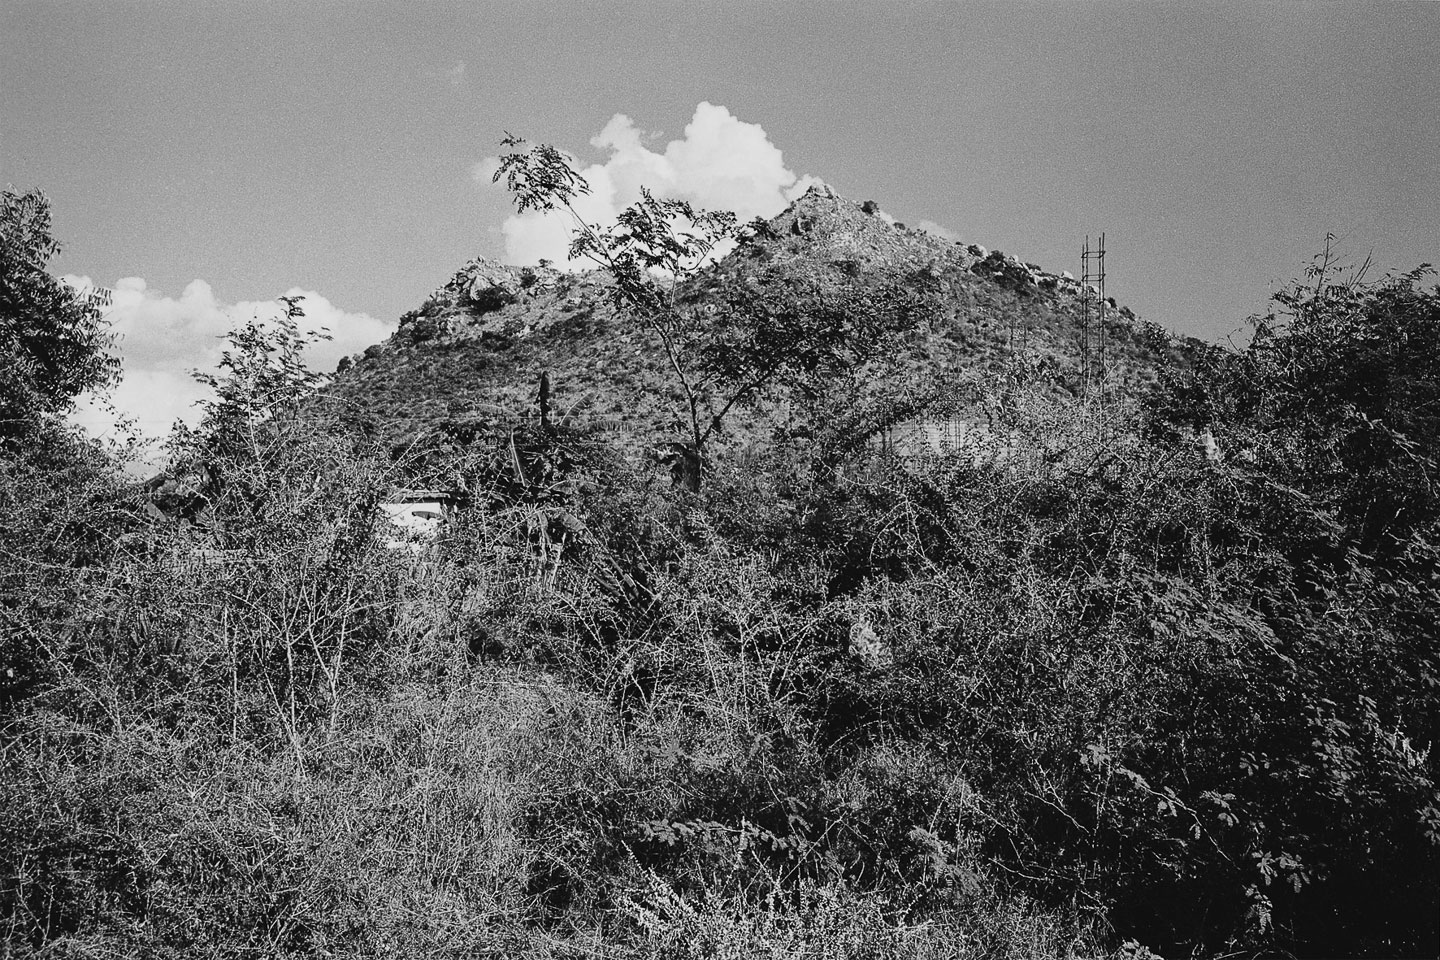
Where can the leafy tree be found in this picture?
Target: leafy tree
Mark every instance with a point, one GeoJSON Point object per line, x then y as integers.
{"type": "Point", "coordinates": [651, 249]}
{"type": "Point", "coordinates": [1350, 371]}
{"type": "Point", "coordinates": [263, 380]}
{"type": "Point", "coordinates": [723, 350]}
{"type": "Point", "coordinates": [62, 504]}
{"type": "Point", "coordinates": [53, 340]}
{"type": "Point", "coordinates": [244, 451]}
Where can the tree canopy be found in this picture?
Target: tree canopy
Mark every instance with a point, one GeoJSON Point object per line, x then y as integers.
{"type": "Point", "coordinates": [778, 329]}
{"type": "Point", "coordinates": [54, 341]}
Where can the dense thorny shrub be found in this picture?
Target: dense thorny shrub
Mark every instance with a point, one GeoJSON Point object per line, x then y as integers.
{"type": "Point", "coordinates": [1190, 690]}
{"type": "Point", "coordinates": [1307, 747]}
{"type": "Point", "coordinates": [65, 515]}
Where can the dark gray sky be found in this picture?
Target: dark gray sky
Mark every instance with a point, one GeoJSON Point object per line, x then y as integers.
{"type": "Point", "coordinates": [332, 147]}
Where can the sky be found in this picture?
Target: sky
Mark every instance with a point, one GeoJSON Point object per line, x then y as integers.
{"type": "Point", "coordinates": [207, 156]}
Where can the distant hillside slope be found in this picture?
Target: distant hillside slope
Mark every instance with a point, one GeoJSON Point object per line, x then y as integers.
{"type": "Point", "coordinates": [474, 352]}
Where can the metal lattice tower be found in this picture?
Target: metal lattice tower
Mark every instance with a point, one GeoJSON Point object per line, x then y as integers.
{"type": "Point", "coordinates": [1092, 312]}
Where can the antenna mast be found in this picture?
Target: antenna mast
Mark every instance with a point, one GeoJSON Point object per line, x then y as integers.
{"type": "Point", "coordinates": [1092, 312]}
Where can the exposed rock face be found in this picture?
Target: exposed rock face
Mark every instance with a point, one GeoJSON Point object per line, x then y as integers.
{"type": "Point", "coordinates": [481, 287]}
{"type": "Point", "coordinates": [483, 273]}
{"type": "Point", "coordinates": [484, 285]}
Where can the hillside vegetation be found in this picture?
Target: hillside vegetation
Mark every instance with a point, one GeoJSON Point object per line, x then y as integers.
{"type": "Point", "coordinates": [472, 355]}
{"type": "Point", "coordinates": [1150, 670]}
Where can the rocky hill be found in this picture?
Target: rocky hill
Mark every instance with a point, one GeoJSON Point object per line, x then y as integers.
{"type": "Point", "coordinates": [473, 354]}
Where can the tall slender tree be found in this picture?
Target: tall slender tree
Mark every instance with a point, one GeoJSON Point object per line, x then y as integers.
{"type": "Point", "coordinates": [724, 353]}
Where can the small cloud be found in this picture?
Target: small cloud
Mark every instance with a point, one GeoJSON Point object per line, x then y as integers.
{"type": "Point", "coordinates": [935, 230]}
{"type": "Point", "coordinates": [720, 163]}
{"type": "Point", "coordinates": [161, 339]}
{"type": "Point", "coordinates": [456, 74]}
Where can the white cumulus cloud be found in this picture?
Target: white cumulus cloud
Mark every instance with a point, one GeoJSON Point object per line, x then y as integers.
{"type": "Point", "coordinates": [163, 338]}
{"type": "Point", "coordinates": [720, 163]}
